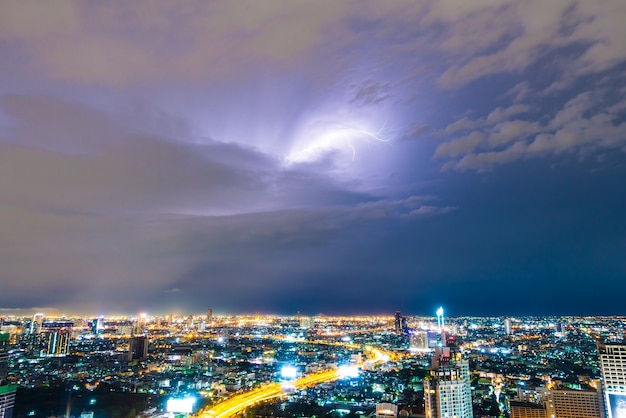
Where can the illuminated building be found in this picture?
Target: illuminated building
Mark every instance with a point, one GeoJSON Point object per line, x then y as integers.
{"type": "Point", "coordinates": [209, 315]}
{"type": "Point", "coordinates": [440, 322]}
{"type": "Point", "coordinates": [613, 366]}
{"type": "Point", "coordinates": [138, 348]}
{"type": "Point", "coordinates": [419, 341]}
{"type": "Point", "coordinates": [35, 325]}
{"type": "Point", "coordinates": [447, 390]}
{"type": "Point", "coordinates": [508, 326]}
{"type": "Point", "coordinates": [56, 337]}
{"type": "Point", "coordinates": [520, 409]}
{"type": "Point", "coordinates": [572, 403]}
{"type": "Point", "coordinates": [7, 392]}
{"type": "Point", "coordinates": [386, 410]}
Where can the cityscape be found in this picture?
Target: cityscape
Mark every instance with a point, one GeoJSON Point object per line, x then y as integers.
{"type": "Point", "coordinates": [312, 208]}
{"type": "Point", "coordinates": [217, 366]}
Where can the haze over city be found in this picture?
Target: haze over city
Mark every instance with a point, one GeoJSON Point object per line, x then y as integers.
{"type": "Point", "coordinates": [314, 157]}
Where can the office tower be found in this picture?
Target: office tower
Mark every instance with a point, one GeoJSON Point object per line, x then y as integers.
{"type": "Point", "coordinates": [138, 348]}
{"type": "Point", "coordinates": [35, 325]}
{"type": "Point", "coordinates": [209, 315]}
{"type": "Point", "coordinates": [572, 403]}
{"type": "Point", "coordinates": [397, 322]}
{"type": "Point", "coordinates": [56, 337]}
{"type": "Point", "coordinates": [447, 391]}
{"type": "Point", "coordinates": [57, 343]}
{"type": "Point", "coordinates": [613, 366]}
{"type": "Point", "coordinates": [7, 391]}
{"type": "Point", "coordinates": [508, 326]}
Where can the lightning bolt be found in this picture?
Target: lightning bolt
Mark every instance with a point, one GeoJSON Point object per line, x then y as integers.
{"type": "Point", "coordinates": [347, 134]}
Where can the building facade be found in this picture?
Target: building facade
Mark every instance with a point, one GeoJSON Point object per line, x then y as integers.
{"type": "Point", "coordinates": [572, 403]}
{"type": "Point", "coordinates": [613, 366]}
{"type": "Point", "coordinates": [7, 391]}
{"type": "Point", "coordinates": [447, 390]}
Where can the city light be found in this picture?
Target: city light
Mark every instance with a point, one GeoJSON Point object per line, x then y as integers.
{"type": "Point", "coordinates": [288, 372]}
{"type": "Point", "coordinates": [181, 405]}
{"type": "Point", "coordinates": [348, 371]}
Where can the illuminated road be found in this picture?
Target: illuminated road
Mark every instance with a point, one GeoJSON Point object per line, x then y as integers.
{"type": "Point", "coordinates": [238, 403]}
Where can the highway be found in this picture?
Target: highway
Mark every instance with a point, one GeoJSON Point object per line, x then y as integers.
{"type": "Point", "coordinates": [238, 403]}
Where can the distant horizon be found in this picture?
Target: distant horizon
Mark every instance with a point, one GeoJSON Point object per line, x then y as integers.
{"type": "Point", "coordinates": [58, 313]}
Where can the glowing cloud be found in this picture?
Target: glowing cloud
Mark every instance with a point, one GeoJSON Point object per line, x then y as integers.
{"type": "Point", "coordinates": [337, 139]}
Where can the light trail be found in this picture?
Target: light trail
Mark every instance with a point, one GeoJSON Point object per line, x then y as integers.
{"type": "Point", "coordinates": [238, 403]}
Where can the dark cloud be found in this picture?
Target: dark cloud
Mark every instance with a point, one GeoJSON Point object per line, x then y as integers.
{"type": "Point", "coordinates": [257, 157]}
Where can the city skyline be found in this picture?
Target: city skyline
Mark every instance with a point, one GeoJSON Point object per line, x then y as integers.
{"type": "Point", "coordinates": [328, 157]}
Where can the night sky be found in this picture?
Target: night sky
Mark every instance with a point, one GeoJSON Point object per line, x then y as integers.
{"type": "Point", "coordinates": [313, 156]}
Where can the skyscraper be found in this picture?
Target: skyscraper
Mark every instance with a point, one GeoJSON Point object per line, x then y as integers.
{"type": "Point", "coordinates": [397, 322]}
{"type": "Point", "coordinates": [138, 348]}
{"type": "Point", "coordinates": [56, 337]}
{"type": "Point", "coordinates": [613, 366]}
{"type": "Point", "coordinates": [7, 391]}
{"type": "Point", "coordinates": [508, 327]}
{"type": "Point", "coordinates": [447, 390]}
{"type": "Point", "coordinates": [35, 325]}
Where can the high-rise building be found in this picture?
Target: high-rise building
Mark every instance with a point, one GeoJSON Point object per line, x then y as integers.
{"type": "Point", "coordinates": [56, 337]}
{"type": "Point", "coordinates": [57, 343]}
{"type": "Point", "coordinates": [508, 327]}
{"type": "Point", "coordinates": [397, 322]}
{"type": "Point", "coordinates": [209, 315]}
{"type": "Point", "coordinates": [613, 366]}
{"type": "Point", "coordinates": [35, 325]}
{"type": "Point", "coordinates": [572, 403]}
{"type": "Point", "coordinates": [138, 348]}
{"type": "Point", "coordinates": [7, 391]}
{"type": "Point", "coordinates": [447, 391]}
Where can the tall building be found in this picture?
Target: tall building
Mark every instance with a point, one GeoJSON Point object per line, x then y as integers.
{"type": "Point", "coordinates": [7, 391]}
{"type": "Point", "coordinates": [508, 327]}
{"type": "Point", "coordinates": [397, 322]}
{"type": "Point", "coordinates": [138, 348]}
{"type": "Point", "coordinates": [613, 366]}
{"type": "Point", "coordinates": [209, 315]}
{"type": "Point", "coordinates": [56, 337]}
{"type": "Point", "coordinates": [572, 403]}
{"type": "Point", "coordinates": [447, 391]}
{"type": "Point", "coordinates": [35, 325]}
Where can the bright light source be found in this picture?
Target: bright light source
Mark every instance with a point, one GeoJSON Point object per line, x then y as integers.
{"type": "Point", "coordinates": [346, 339]}
{"type": "Point", "coordinates": [348, 371]}
{"type": "Point", "coordinates": [184, 405]}
{"type": "Point", "coordinates": [289, 372]}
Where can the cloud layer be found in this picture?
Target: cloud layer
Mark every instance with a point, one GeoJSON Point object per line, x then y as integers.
{"type": "Point", "coordinates": [157, 155]}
